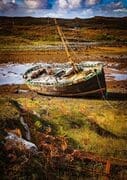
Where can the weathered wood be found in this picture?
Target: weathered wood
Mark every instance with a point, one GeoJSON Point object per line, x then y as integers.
{"type": "Point", "coordinates": [77, 85]}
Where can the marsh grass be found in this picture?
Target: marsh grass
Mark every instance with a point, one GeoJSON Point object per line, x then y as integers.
{"type": "Point", "coordinates": [72, 118]}
{"type": "Point", "coordinates": [8, 112]}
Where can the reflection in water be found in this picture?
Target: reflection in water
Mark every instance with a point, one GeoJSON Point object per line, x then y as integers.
{"type": "Point", "coordinates": [12, 73]}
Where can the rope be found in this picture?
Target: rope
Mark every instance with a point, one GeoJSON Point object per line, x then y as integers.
{"type": "Point", "coordinates": [66, 46]}
{"type": "Point", "coordinates": [103, 96]}
{"type": "Point", "coordinates": [70, 47]}
{"type": "Point", "coordinates": [99, 84]}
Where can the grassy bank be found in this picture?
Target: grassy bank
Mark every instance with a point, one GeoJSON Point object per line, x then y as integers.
{"type": "Point", "coordinates": [80, 121]}
{"type": "Point", "coordinates": [83, 124]}
{"type": "Point", "coordinates": [75, 137]}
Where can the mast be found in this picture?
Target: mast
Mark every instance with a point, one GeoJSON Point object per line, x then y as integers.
{"type": "Point", "coordinates": [65, 46]}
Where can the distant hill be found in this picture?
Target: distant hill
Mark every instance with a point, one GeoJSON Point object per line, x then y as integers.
{"type": "Point", "coordinates": [15, 31]}
{"type": "Point", "coordinates": [95, 22]}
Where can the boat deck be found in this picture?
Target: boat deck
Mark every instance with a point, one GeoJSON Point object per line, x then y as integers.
{"type": "Point", "coordinates": [66, 78]}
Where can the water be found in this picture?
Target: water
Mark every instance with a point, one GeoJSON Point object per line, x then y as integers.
{"type": "Point", "coordinates": [113, 73]}
{"type": "Point", "coordinates": [56, 46]}
{"type": "Point", "coordinates": [119, 77]}
{"type": "Point", "coordinates": [12, 73]}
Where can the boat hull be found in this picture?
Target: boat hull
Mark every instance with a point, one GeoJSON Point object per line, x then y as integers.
{"type": "Point", "coordinates": [94, 86]}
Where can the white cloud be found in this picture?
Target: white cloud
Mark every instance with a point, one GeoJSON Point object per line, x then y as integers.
{"type": "Point", "coordinates": [75, 3]}
{"type": "Point", "coordinates": [114, 5]}
{"type": "Point", "coordinates": [6, 1]}
{"type": "Point", "coordinates": [36, 4]}
{"type": "Point", "coordinates": [62, 8]}
{"type": "Point", "coordinates": [63, 4]}
{"type": "Point", "coordinates": [62, 13]}
{"type": "Point", "coordinates": [91, 2]}
{"type": "Point", "coordinates": [87, 13]}
{"type": "Point", "coordinates": [69, 4]}
{"type": "Point", "coordinates": [123, 10]}
{"type": "Point", "coordinates": [32, 4]}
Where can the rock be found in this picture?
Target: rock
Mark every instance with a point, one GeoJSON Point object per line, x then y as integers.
{"type": "Point", "coordinates": [27, 131]}
{"type": "Point", "coordinates": [36, 114]}
{"type": "Point", "coordinates": [13, 141]}
{"type": "Point", "coordinates": [23, 91]}
{"type": "Point", "coordinates": [16, 131]}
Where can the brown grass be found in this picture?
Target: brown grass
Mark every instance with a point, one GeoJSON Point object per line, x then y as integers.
{"type": "Point", "coordinates": [102, 53]}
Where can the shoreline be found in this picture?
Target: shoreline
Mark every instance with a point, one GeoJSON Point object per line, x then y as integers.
{"type": "Point", "coordinates": [115, 72]}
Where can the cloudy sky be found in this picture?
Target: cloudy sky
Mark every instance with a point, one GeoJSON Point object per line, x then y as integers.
{"type": "Point", "coordinates": [63, 8]}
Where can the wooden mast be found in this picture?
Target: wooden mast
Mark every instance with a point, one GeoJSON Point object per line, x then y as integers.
{"type": "Point", "coordinates": [65, 46]}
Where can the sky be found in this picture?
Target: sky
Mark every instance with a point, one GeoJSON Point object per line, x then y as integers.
{"type": "Point", "coordinates": [63, 8]}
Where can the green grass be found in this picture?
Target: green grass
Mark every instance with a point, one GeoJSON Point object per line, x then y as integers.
{"type": "Point", "coordinates": [71, 118]}
{"type": "Point", "coordinates": [7, 111]}
{"type": "Point", "coordinates": [76, 119]}
{"type": "Point", "coordinates": [106, 37]}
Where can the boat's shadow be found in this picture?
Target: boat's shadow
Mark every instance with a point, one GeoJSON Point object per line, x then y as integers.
{"type": "Point", "coordinates": [116, 96]}
{"type": "Point", "coordinates": [113, 96]}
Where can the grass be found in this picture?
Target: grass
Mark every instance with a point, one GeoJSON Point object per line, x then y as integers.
{"type": "Point", "coordinates": [71, 118]}
{"type": "Point", "coordinates": [89, 125]}
{"type": "Point", "coordinates": [22, 41]}
{"type": "Point", "coordinates": [8, 112]}
{"type": "Point", "coordinates": [16, 33]}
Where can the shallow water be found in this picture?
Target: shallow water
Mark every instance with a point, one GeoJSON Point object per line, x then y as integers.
{"type": "Point", "coordinates": [56, 46]}
{"type": "Point", "coordinates": [113, 73]}
{"type": "Point", "coordinates": [12, 73]}
{"type": "Point", "coordinates": [119, 77]}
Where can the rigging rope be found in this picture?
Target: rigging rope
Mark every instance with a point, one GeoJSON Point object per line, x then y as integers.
{"type": "Point", "coordinates": [70, 47]}
{"type": "Point", "coordinates": [103, 96]}
{"type": "Point", "coordinates": [66, 43]}
{"type": "Point", "coordinates": [75, 68]}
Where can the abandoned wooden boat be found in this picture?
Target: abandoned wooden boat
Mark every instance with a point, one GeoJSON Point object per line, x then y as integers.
{"type": "Point", "coordinates": [67, 79]}
{"type": "Point", "coordinates": [61, 80]}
